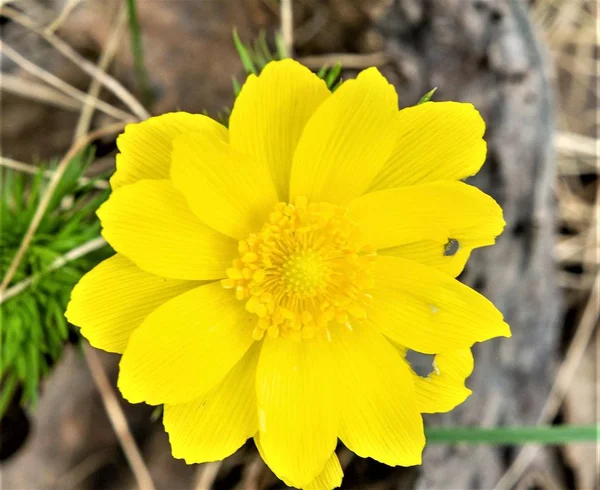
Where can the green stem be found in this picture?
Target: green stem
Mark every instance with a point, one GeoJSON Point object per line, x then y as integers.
{"type": "Point", "coordinates": [138, 53]}
{"type": "Point", "coordinates": [555, 434]}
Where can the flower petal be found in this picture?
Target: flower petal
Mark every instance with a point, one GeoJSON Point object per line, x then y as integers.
{"type": "Point", "coordinates": [113, 299]}
{"type": "Point", "coordinates": [185, 347]}
{"type": "Point", "coordinates": [428, 311]}
{"type": "Point", "coordinates": [145, 147]}
{"type": "Point", "coordinates": [450, 257]}
{"type": "Point", "coordinates": [270, 113]}
{"type": "Point", "coordinates": [229, 191]}
{"type": "Point", "coordinates": [218, 423]}
{"type": "Point", "coordinates": [328, 479]}
{"type": "Point", "coordinates": [437, 211]}
{"type": "Point", "coordinates": [151, 224]}
{"type": "Point", "coordinates": [380, 419]}
{"type": "Point", "coordinates": [435, 141]}
{"type": "Point", "coordinates": [297, 409]}
{"type": "Point", "coordinates": [444, 388]}
{"type": "Point", "coordinates": [347, 141]}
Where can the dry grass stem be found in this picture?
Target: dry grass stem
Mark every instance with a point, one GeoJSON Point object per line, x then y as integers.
{"type": "Point", "coordinates": [348, 60]}
{"type": "Point", "coordinates": [577, 144]}
{"type": "Point", "coordinates": [109, 82]}
{"type": "Point", "coordinates": [565, 375]}
{"type": "Point", "coordinates": [207, 474]}
{"type": "Point", "coordinates": [60, 84]}
{"type": "Point", "coordinates": [252, 473]}
{"type": "Point", "coordinates": [62, 16]}
{"type": "Point", "coordinates": [118, 420]}
{"type": "Point", "coordinates": [39, 92]}
{"type": "Point", "coordinates": [108, 53]}
{"type": "Point", "coordinates": [287, 26]}
{"type": "Point", "coordinates": [70, 256]}
{"type": "Point", "coordinates": [28, 168]}
{"type": "Point", "coordinates": [79, 145]}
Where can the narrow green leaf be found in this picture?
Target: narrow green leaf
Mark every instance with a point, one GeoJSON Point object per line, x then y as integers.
{"type": "Point", "coordinates": [427, 96]}
{"type": "Point", "coordinates": [243, 53]}
{"type": "Point", "coordinates": [280, 46]}
{"type": "Point", "coordinates": [138, 53]}
{"type": "Point", "coordinates": [333, 74]}
{"type": "Point", "coordinates": [554, 434]}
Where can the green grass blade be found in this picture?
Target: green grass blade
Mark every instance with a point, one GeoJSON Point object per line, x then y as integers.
{"type": "Point", "coordinates": [138, 53]}
{"type": "Point", "coordinates": [243, 53]}
{"type": "Point", "coordinates": [554, 434]}
{"type": "Point", "coordinates": [427, 96]}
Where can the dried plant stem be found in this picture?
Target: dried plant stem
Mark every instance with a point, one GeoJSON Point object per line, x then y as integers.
{"type": "Point", "coordinates": [70, 256]}
{"type": "Point", "coordinates": [109, 82]}
{"type": "Point", "coordinates": [60, 84]}
{"type": "Point", "coordinates": [28, 168]}
{"type": "Point", "coordinates": [561, 384]}
{"type": "Point", "coordinates": [64, 13]}
{"type": "Point", "coordinates": [287, 27]}
{"type": "Point", "coordinates": [79, 145]}
{"type": "Point", "coordinates": [207, 474]}
{"type": "Point", "coordinates": [118, 420]}
{"type": "Point", "coordinates": [37, 91]}
{"type": "Point", "coordinates": [348, 60]}
{"type": "Point", "coordinates": [85, 119]}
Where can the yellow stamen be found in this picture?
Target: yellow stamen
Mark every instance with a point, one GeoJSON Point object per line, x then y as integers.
{"type": "Point", "coordinates": [302, 271]}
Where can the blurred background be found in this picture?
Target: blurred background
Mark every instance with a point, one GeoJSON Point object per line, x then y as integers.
{"type": "Point", "coordinates": [74, 70]}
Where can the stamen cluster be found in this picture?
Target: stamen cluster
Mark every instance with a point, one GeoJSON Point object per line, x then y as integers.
{"type": "Point", "coordinates": [303, 270]}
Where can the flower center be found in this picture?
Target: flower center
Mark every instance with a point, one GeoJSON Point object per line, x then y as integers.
{"type": "Point", "coordinates": [303, 271]}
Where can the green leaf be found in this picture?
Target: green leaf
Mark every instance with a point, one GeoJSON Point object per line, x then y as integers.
{"type": "Point", "coordinates": [333, 75]}
{"type": "Point", "coordinates": [427, 96]}
{"type": "Point", "coordinates": [243, 53]}
{"type": "Point", "coordinates": [554, 434]}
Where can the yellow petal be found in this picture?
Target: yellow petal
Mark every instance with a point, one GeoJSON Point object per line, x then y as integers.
{"type": "Point", "coordinates": [444, 388]}
{"type": "Point", "coordinates": [437, 211]}
{"type": "Point", "coordinates": [428, 311]}
{"type": "Point", "coordinates": [218, 423]}
{"type": "Point", "coordinates": [270, 113]}
{"type": "Point", "coordinates": [347, 141]}
{"type": "Point", "coordinates": [328, 479]}
{"type": "Point", "coordinates": [112, 300]}
{"type": "Point", "coordinates": [145, 147]}
{"type": "Point", "coordinates": [297, 410]}
{"type": "Point", "coordinates": [185, 347]}
{"type": "Point", "coordinates": [380, 418]}
{"type": "Point", "coordinates": [435, 141]}
{"type": "Point", "coordinates": [450, 257]}
{"type": "Point", "coordinates": [151, 224]}
{"type": "Point", "coordinates": [229, 191]}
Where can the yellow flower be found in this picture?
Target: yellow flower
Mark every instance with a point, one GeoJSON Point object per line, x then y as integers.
{"type": "Point", "coordinates": [270, 277]}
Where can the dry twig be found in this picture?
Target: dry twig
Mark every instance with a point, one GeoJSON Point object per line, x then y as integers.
{"type": "Point", "coordinates": [85, 119]}
{"type": "Point", "coordinates": [28, 168]}
{"type": "Point", "coordinates": [109, 82]}
{"type": "Point", "coordinates": [60, 170]}
{"type": "Point", "coordinates": [70, 256]}
{"type": "Point", "coordinates": [40, 92]}
{"type": "Point", "coordinates": [207, 474]}
{"type": "Point", "coordinates": [60, 84]}
{"type": "Point", "coordinates": [348, 60]}
{"type": "Point", "coordinates": [287, 27]}
{"type": "Point", "coordinates": [118, 420]}
{"type": "Point", "coordinates": [561, 384]}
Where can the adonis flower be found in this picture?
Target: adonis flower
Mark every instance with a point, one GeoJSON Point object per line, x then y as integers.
{"type": "Point", "coordinates": [270, 278]}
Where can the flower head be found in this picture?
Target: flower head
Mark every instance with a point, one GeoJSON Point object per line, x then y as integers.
{"type": "Point", "coordinates": [271, 277]}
